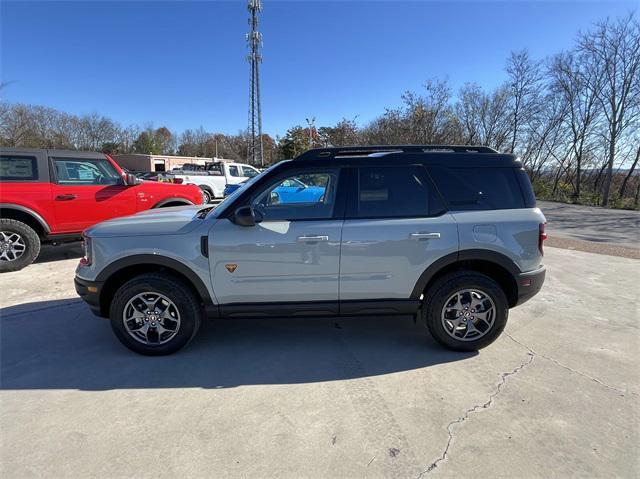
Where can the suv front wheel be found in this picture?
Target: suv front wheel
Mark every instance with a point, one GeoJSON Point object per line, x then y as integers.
{"type": "Point", "coordinates": [155, 314]}
{"type": "Point", "coordinates": [465, 310]}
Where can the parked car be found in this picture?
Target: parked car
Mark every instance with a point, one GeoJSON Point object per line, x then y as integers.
{"type": "Point", "coordinates": [52, 195]}
{"type": "Point", "coordinates": [448, 234]}
{"type": "Point", "coordinates": [147, 175]}
{"type": "Point", "coordinates": [291, 190]}
{"type": "Point", "coordinates": [231, 187]}
{"type": "Point", "coordinates": [213, 177]}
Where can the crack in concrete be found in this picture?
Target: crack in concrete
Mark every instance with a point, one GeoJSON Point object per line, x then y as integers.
{"type": "Point", "coordinates": [564, 366]}
{"type": "Point", "coordinates": [478, 407]}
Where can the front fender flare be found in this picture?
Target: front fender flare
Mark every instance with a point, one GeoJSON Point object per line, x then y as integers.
{"type": "Point", "coordinates": [157, 260]}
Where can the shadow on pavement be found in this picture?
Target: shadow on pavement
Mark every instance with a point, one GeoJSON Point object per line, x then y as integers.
{"type": "Point", "coordinates": [50, 253]}
{"type": "Point", "coordinates": [61, 345]}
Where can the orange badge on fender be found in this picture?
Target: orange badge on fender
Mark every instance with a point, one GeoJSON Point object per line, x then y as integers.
{"type": "Point", "coordinates": [231, 267]}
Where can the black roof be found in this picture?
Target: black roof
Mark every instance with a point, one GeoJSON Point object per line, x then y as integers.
{"type": "Point", "coordinates": [450, 155]}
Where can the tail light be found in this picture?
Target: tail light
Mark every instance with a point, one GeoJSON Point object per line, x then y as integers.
{"type": "Point", "coordinates": [178, 181]}
{"type": "Point", "coordinates": [542, 236]}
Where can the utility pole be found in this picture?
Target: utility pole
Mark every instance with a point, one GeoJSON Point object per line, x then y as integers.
{"type": "Point", "coordinates": [312, 125]}
{"type": "Point", "coordinates": [255, 154]}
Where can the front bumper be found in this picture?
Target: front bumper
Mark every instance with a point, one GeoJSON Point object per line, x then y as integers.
{"type": "Point", "coordinates": [530, 283]}
{"type": "Point", "coordinates": [89, 291]}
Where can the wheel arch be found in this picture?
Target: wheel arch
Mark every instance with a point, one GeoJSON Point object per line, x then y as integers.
{"type": "Point", "coordinates": [175, 201]}
{"type": "Point", "coordinates": [490, 263]}
{"type": "Point", "coordinates": [27, 216]}
{"type": "Point", "coordinates": [118, 272]}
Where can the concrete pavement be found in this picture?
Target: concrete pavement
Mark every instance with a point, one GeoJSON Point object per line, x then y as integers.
{"type": "Point", "coordinates": [558, 395]}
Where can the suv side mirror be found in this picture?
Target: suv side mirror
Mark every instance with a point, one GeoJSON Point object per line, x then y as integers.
{"type": "Point", "coordinates": [246, 216]}
{"type": "Point", "coordinates": [131, 180]}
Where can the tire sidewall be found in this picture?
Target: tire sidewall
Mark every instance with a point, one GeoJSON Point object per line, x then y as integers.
{"type": "Point", "coordinates": [184, 300]}
{"type": "Point", "coordinates": [208, 195]}
{"type": "Point", "coordinates": [31, 240]}
{"type": "Point", "coordinates": [443, 291]}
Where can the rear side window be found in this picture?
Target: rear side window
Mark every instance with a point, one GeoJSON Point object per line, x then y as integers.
{"type": "Point", "coordinates": [18, 168]}
{"type": "Point", "coordinates": [478, 188]}
{"type": "Point", "coordinates": [395, 192]}
{"type": "Point", "coordinates": [234, 171]}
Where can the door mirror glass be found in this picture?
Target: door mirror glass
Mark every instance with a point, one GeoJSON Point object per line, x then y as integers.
{"type": "Point", "coordinates": [131, 179]}
{"type": "Point", "coordinates": [246, 216]}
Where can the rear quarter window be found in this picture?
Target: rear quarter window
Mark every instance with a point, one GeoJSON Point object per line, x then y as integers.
{"type": "Point", "coordinates": [18, 168]}
{"type": "Point", "coordinates": [469, 189]}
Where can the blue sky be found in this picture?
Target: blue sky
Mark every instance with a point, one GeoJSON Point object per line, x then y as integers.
{"type": "Point", "coordinates": [182, 64]}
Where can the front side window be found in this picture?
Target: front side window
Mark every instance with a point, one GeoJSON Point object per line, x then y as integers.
{"type": "Point", "coordinates": [18, 168]}
{"type": "Point", "coordinates": [77, 171]}
{"type": "Point", "coordinates": [249, 172]}
{"type": "Point", "coordinates": [395, 192]}
{"type": "Point", "coordinates": [301, 196]}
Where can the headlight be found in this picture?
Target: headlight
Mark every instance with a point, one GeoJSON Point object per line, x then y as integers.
{"type": "Point", "coordinates": [87, 251]}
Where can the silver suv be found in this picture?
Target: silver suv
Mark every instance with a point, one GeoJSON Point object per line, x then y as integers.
{"type": "Point", "coordinates": [449, 234]}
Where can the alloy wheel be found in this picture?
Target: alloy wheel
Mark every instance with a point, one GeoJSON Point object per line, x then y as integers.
{"type": "Point", "coordinates": [468, 314]}
{"type": "Point", "coordinates": [12, 246]}
{"type": "Point", "coordinates": [151, 318]}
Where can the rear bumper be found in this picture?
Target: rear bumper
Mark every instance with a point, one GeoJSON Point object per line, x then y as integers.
{"type": "Point", "coordinates": [89, 291]}
{"type": "Point", "coordinates": [529, 284]}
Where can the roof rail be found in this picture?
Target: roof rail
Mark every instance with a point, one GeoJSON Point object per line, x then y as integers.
{"type": "Point", "coordinates": [351, 151]}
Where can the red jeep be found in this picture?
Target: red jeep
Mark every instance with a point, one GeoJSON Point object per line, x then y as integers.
{"type": "Point", "coordinates": [52, 195]}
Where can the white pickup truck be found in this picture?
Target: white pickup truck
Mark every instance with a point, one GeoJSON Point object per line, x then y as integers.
{"type": "Point", "coordinates": [213, 177]}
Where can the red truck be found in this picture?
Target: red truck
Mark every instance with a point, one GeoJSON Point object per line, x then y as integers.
{"type": "Point", "coordinates": [53, 195]}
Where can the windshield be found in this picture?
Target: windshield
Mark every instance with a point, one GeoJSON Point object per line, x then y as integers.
{"type": "Point", "coordinates": [229, 199]}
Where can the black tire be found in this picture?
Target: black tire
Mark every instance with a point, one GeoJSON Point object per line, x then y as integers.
{"type": "Point", "coordinates": [27, 236]}
{"type": "Point", "coordinates": [208, 195]}
{"type": "Point", "coordinates": [183, 297]}
{"type": "Point", "coordinates": [444, 288]}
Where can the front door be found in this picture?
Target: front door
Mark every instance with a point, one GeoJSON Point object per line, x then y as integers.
{"type": "Point", "coordinates": [87, 191]}
{"type": "Point", "coordinates": [292, 255]}
{"type": "Point", "coordinates": [395, 227]}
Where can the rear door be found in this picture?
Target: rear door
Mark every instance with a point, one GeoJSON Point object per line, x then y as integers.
{"type": "Point", "coordinates": [87, 191]}
{"type": "Point", "coordinates": [396, 226]}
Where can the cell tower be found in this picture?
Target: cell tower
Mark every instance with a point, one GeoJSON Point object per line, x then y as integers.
{"type": "Point", "coordinates": [254, 40]}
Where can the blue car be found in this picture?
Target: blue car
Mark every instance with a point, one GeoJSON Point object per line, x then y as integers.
{"type": "Point", "coordinates": [228, 188]}
{"type": "Point", "coordinates": [291, 190]}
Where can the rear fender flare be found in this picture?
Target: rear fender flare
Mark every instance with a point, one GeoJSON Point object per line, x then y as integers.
{"type": "Point", "coordinates": [459, 257]}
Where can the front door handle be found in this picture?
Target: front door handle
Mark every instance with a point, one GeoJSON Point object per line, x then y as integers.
{"type": "Point", "coordinates": [312, 239]}
{"type": "Point", "coordinates": [424, 236]}
{"type": "Point", "coordinates": [66, 197]}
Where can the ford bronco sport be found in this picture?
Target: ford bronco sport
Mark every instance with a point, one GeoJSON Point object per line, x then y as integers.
{"type": "Point", "coordinates": [52, 195]}
{"type": "Point", "coordinates": [449, 234]}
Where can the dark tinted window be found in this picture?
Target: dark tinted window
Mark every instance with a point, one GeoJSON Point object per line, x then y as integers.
{"type": "Point", "coordinates": [527, 189]}
{"type": "Point", "coordinates": [18, 168]}
{"type": "Point", "coordinates": [478, 188]}
{"type": "Point", "coordinates": [388, 192]}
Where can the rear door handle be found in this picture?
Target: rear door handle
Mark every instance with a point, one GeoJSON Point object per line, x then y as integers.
{"type": "Point", "coordinates": [66, 197]}
{"type": "Point", "coordinates": [424, 236]}
{"type": "Point", "coordinates": [312, 239]}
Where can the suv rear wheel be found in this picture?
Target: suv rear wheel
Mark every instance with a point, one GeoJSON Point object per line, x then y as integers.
{"type": "Point", "coordinates": [19, 245]}
{"type": "Point", "coordinates": [465, 311]}
{"type": "Point", "coordinates": [155, 314]}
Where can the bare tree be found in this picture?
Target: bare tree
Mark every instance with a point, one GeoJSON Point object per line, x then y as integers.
{"type": "Point", "coordinates": [524, 77]}
{"type": "Point", "coordinates": [571, 76]}
{"type": "Point", "coordinates": [614, 48]}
